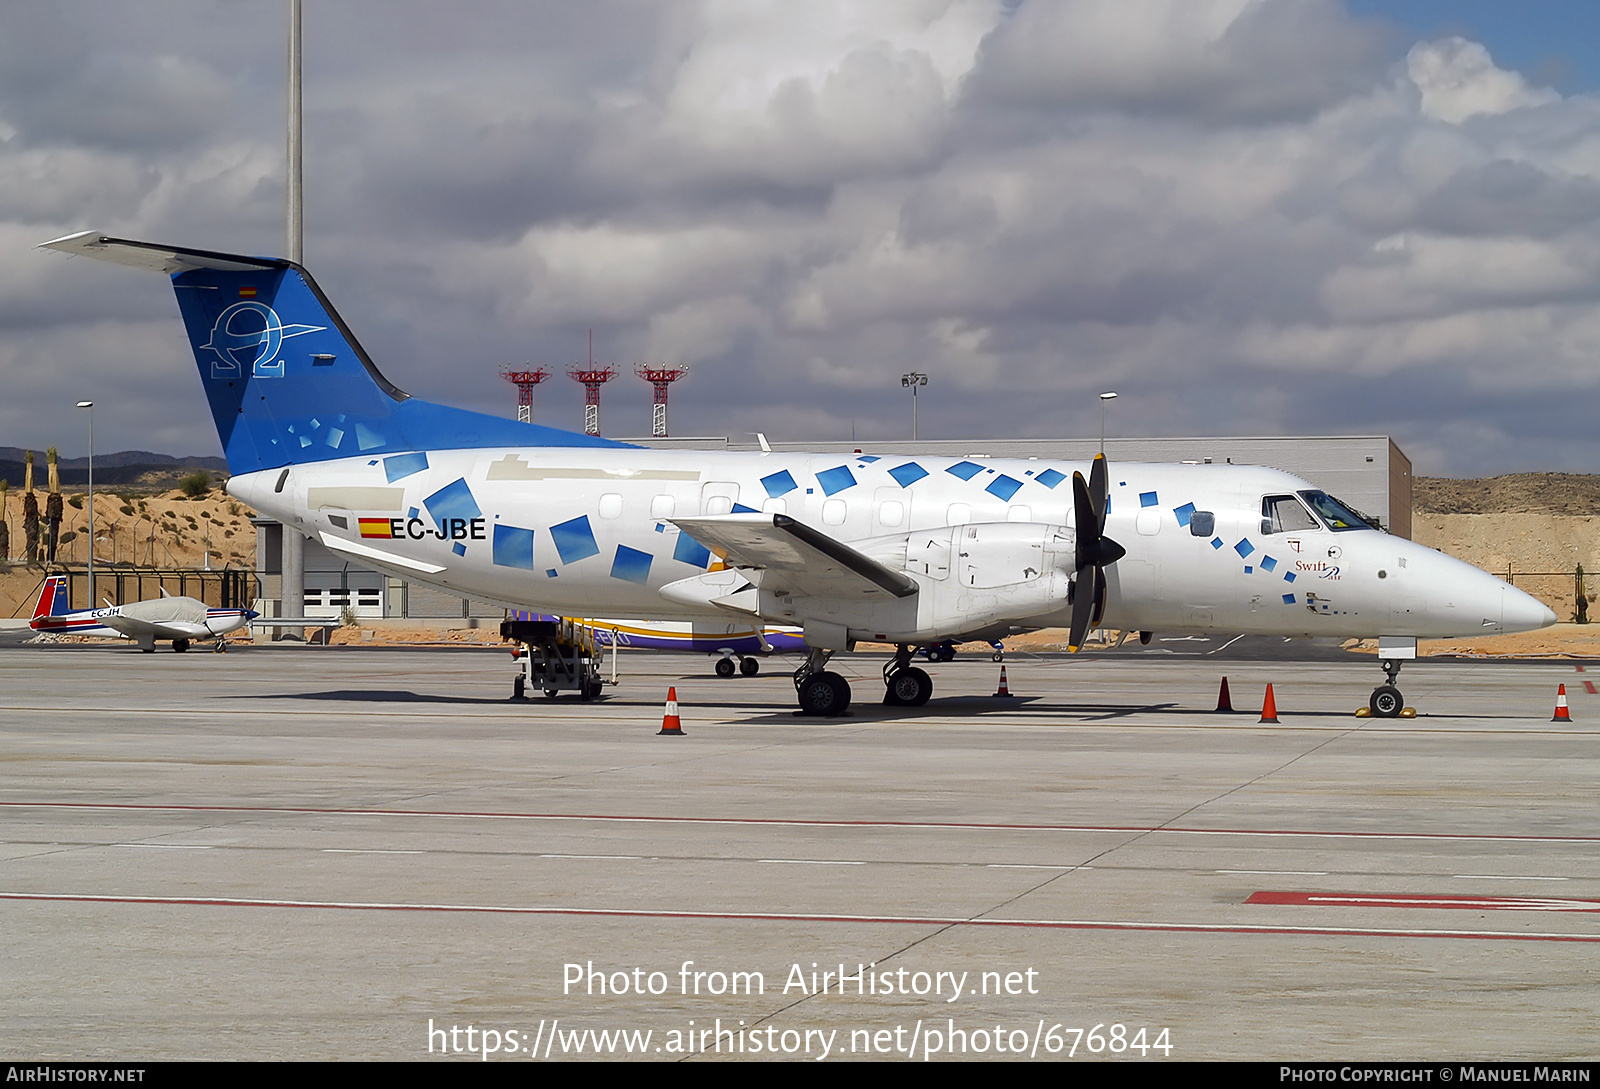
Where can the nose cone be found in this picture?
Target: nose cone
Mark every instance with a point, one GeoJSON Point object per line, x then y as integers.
{"type": "Point", "coordinates": [1522, 612]}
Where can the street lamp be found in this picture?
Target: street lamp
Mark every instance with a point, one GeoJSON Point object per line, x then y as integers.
{"type": "Point", "coordinates": [90, 406]}
{"type": "Point", "coordinates": [1104, 397]}
{"type": "Point", "coordinates": [914, 379]}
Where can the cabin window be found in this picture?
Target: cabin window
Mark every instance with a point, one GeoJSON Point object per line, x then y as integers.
{"type": "Point", "coordinates": [661, 507]}
{"type": "Point", "coordinates": [775, 506]}
{"type": "Point", "coordinates": [958, 514]}
{"type": "Point", "coordinates": [891, 513]}
{"type": "Point", "coordinates": [719, 504]}
{"type": "Point", "coordinates": [1019, 513]}
{"type": "Point", "coordinates": [833, 512]}
{"type": "Point", "coordinates": [611, 505]}
{"type": "Point", "coordinates": [1202, 523]}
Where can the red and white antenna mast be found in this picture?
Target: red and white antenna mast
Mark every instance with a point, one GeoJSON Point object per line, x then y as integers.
{"type": "Point", "coordinates": [661, 378]}
{"type": "Point", "coordinates": [593, 378]}
{"type": "Point", "coordinates": [524, 381]}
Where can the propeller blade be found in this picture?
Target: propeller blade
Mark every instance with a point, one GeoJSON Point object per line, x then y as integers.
{"type": "Point", "coordinates": [1097, 490]}
{"type": "Point", "coordinates": [1082, 612]}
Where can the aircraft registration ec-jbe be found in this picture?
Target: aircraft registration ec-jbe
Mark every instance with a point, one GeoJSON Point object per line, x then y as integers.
{"type": "Point", "coordinates": [910, 551]}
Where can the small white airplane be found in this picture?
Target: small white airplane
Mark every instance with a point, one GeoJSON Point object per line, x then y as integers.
{"type": "Point", "coordinates": [180, 619]}
{"type": "Point", "coordinates": [911, 551]}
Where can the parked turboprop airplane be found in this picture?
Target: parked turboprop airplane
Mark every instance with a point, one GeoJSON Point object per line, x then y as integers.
{"type": "Point", "coordinates": [911, 551]}
{"type": "Point", "coordinates": [180, 619]}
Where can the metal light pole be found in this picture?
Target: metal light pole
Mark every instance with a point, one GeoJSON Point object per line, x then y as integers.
{"type": "Point", "coordinates": [914, 379]}
{"type": "Point", "coordinates": [90, 406]}
{"type": "Point", "coordinates": [292, 595]}
{"type": "Point", "coordinates": [1104, 397]}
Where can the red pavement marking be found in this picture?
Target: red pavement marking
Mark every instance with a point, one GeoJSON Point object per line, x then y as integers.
{"type": "Point", "coordinates": [1424, 900]}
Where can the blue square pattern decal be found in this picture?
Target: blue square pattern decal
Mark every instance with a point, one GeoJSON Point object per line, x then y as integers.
{"type": "Point", "coordinates": [574, 540]}
{"type": "Point", "coordinates": [403, 465]}
{"type": "Point", "coordinates": [1050, 478]}
{"type": "Point", "coordinates": [550, 572]}
{"type": "Point", "coordinates": [459, 549]}
{"type": "Point", "coordinates": [966, 470]}
{"type": "Point", "coordinates": [513, 547]}
{"type": "Point", "coordinates": [836, 480]}
{"type": "Point", "coordinates": [1288, 599]}
{"type": "Point", "coordinates": [1216, 542]}
{"type": "Point", "coordinates": [1288, 576]}
{"type": "Point", "coordinates": [692, 552]}
{"type": "Point", "coordinates": [908, 474]}
{"type": "Point", "coordinates": [1003, 486]}
{"type": "Point", "coordinates": [1268, 563]}
{"type": "Point", "coordinates": [740, 508]}
{"type": "Point", "coordinates": [869, 458]}
{"type": "Point", "coordinates": [454, 500]}
{"type": "Point", "coordinates": [1185, 513]}
{"type": "Point", "coordinates": [631, 565]}
{"type": "Point", "coordinates": [779, 483]}
{"type": "Point", "coordinates": [1147, 499]}
{"type": "Point", "coordinates": [1244, 547]}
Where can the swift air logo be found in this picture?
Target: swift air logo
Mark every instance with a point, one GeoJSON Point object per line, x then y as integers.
{"type": "Point", "coordinates": [249, 334]}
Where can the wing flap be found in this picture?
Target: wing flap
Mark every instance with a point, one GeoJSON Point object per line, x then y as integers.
{"type": "Point", "coordinates": [790, 557]}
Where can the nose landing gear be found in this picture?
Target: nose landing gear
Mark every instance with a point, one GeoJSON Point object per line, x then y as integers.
{"type": "Point", "coordinates": [1386, 700]}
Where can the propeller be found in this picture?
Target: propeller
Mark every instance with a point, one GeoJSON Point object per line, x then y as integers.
{"type": "Point", "coordinates": [1094, 552]}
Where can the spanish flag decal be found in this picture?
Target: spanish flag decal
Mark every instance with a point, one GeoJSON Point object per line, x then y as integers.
{"type": "Point", "coordinates": [376, 527]}
{"type": "Point", "coordinates": [247, 293]}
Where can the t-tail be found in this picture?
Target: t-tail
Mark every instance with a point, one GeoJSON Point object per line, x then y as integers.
{"type": "Point", "coordinates": [287, 381]}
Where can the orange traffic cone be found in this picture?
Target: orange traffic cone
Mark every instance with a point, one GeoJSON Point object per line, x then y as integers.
{"type": "Point", "coordinates": [669, 721]}
{"type": "Point", "coordinates": [1224, 700]}
{"type": "Point", "coordinates": [1003, 691]}
{"type": "Point", "coordinates": [1561, 714]}
{"type": "Point", "coordinates": [1269, 707]}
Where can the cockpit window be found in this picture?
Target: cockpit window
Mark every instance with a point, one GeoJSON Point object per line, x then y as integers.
{"type": "Point", "coordinates": [1285, 514]}
{"type": "Point", "coordinates": [1338, 516]}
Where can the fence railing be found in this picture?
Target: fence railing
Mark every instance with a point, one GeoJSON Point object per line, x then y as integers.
{"type": "Point", "coordinates": [220, 588]}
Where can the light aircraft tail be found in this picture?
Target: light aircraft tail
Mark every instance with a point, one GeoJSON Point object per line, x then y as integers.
{"type": "Point", "coordinates": [287, 381]}
{"type": "Point", "coordinates": [52, 598]}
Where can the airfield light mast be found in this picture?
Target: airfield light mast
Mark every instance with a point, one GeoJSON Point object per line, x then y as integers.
{"type": "Point", "coordinates": [913, 380]}
{"type": "Point", "coordinates": [661, 378]}
{"type": "Point", "coordinates": [593, 378]}
{"type": "Point", "coordinates": [524, 381]}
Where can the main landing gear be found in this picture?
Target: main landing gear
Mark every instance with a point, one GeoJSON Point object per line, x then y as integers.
{"type": "Point", "coordinates": [748, 666]}
{"type": "Point", "coordinates": [904, 685]}
{"type": "Point", "coordinates": [821, 693]}
{"type": "Point", "coordinates": [1386, 700]}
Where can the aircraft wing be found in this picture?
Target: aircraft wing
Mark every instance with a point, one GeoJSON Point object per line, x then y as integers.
{"type": "Point", "coordinates": [132, 627]}
{"type": "Point", "coordinates": [791, 557]}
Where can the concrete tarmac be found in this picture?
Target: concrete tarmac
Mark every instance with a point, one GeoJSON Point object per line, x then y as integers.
{"type": "Point", "coordinates": [323, 853]}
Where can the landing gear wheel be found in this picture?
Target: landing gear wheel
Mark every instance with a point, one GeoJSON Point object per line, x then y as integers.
{"type": "Point", "coordinates": [824, 694]}
{"type": "Point", "coordinates": [724, 667]}
{"type": "Point", "coordinates": [1386, 701]}
{"type": "Point", "coordinates": [180, 645]}
{"type": "Point", "coordinates": [750, 667]}
{"type": "Point", "coordinates": [909, 687]}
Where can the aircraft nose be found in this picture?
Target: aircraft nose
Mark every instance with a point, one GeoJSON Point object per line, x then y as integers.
{"type": "Point", "coordinates": [1523, 612]}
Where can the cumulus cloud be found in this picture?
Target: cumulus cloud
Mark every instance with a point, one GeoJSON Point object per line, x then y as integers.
{"type": "Point", "coordinates": [1245, 215]}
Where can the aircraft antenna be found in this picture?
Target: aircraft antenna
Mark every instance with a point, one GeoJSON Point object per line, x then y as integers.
{"type": "Point", "coordinates": [661, 378]}
{"type": "Point", "coordinates": [524, 381]}
{"type": "Point", "coordinates": [593, 378]}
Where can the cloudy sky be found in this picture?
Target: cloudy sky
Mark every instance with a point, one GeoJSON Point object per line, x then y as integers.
{"type": "Point", "coordinates": [1245, 216]}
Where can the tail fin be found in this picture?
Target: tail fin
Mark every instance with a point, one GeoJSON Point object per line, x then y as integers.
{"type": "Point", "coordinates": [52, 598]}
{"type": "Point", "coordinates": [287, 381]}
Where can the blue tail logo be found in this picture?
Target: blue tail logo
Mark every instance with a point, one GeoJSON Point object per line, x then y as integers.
{"type": "Point", "coordinates": [250, 334]}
